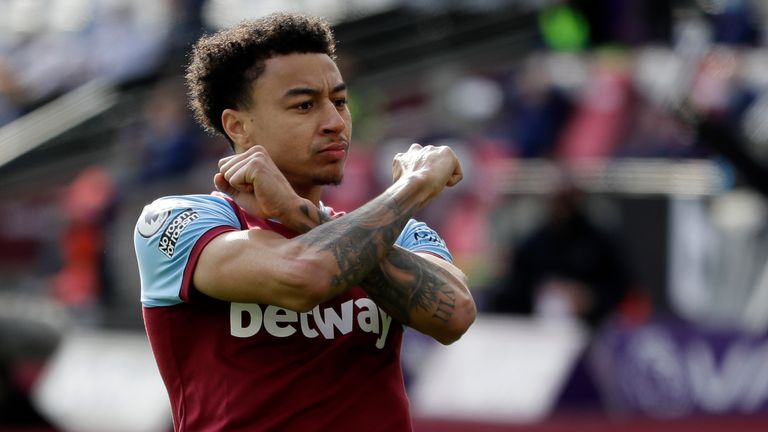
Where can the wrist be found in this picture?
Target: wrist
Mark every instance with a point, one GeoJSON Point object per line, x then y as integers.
{"type": "Point", "coordinates": [303, 215]}
{"type": "Point", "coordinates": [290, 213]}
{"type": "Point", "coordinates": [413, 190]}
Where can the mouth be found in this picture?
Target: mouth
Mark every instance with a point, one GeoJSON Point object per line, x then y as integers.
{"type": "Point", "coordinates": [335, 146]}
{"type": "Point", "coordinates": [334, 151]}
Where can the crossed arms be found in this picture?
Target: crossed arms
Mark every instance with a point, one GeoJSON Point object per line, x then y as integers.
{"type": "Point", "coordinates": [332, 255]}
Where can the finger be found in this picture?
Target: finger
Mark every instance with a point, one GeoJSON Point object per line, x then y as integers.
{"type": "Point", "coordinates": [256, 149]}
{"type": "Point", "coordinates": [240, 185]}
{"type": "Point", "coordinates": [223, 186]}
{"type": "Point", "coordinates": [396, 173]}
{"type": "Point", "coordinates": [259, 153]}
{"type": "Point", "coordinates": [224, 160]}
{"type": "Point", "coordinates": [415, 147]}
{"type": "Point", "coordinates": [397, 166]}
{"type": "Point", "coordinates": [458, 173]}
{"type": "Point", "coordinates": [227, 162]}
{"type": "Point", "coordinates": [234, 168]}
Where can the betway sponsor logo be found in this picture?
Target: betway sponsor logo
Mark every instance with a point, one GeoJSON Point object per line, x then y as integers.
{"type": "Point", "coordinates": [247, 319]}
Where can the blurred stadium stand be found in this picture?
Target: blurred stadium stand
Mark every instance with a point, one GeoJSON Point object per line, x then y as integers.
{"type": "Point", "coordinates": [655, 111]}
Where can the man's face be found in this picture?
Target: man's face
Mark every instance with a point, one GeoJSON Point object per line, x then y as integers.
{"type": "Point", "coordinates": [299, 114]}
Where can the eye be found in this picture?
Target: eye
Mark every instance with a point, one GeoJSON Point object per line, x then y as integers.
{"type": "Point", "coordinates": [340, 103]}
{"type": "Point", "coordinates": [304, 106]}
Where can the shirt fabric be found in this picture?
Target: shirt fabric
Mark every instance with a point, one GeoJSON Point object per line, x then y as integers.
{"type": "Point", "coordinates": [258, 367]}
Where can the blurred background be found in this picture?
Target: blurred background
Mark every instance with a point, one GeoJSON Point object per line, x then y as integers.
{"type": "Point", "coordinates": [612, 221]}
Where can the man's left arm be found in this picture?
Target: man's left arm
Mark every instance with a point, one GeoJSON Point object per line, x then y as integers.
{"type": "Point", "coordinates": [424, 292]}
{"type": "Point", "coordinates": [421, 290]}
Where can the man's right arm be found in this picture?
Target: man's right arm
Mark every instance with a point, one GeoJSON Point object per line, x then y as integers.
{"type": "Point", "coordinates": [258, 266]}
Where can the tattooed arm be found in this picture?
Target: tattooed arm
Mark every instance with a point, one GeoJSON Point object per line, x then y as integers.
{"type": "Point", "coordinates": [424, 292]}
{"type": "Point", "coordinates": [259, 266]}
{"type": "Point", "coordinates": [420, 290]}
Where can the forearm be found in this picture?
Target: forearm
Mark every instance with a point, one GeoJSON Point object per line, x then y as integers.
{"type": "Point", "coordinates": [425, 293]}
{"type": "Point", "coordinates": [356, 243]}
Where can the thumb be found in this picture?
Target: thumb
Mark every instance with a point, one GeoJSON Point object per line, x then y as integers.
{"type": "Point", "coordinates": [454, 179]}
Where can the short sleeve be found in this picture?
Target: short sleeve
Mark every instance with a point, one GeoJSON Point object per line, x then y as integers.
{"type": "Point", "coordinates": [168, 238]}
{"type": "Point", "coordinates": [418, 237]}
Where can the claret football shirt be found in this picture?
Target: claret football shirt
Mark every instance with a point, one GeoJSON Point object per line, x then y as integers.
{"type": "Point", "coordinates": [258, 367]}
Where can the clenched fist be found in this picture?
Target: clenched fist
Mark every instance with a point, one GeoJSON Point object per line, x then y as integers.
{"type": "Point", "coordinates": [255, 183]}
{"type": "Point", "coordinates": [436, 167]}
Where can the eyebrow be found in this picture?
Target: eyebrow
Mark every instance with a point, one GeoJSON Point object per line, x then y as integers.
{"type": "Point", "coordinates": [309, 91]}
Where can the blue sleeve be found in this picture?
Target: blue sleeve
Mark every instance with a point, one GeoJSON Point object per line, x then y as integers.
{"type": "Point", "coordinates": [418, 237]}
{"type": "Point", "coordinates": [165, 238]}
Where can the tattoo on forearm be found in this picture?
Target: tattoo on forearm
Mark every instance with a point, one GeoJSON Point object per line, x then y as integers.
{"type": "Point", "coordinates": [402, 283]}
{"type": "Point", "coordinates": [314, 217]}
{"type": "Point", "coordinates": [410, 283]}
{"type": "Point", "coordinates": [445, 305]}
{"type": "Point", "coordinates": [359, 240]}
{"type": "Point", "coordinates": [378, 286]}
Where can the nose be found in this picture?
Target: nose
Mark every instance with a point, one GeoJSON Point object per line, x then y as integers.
{"type": "Point", "coordinates": [334, 121]}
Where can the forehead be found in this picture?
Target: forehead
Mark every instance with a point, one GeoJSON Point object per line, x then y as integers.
{"type": "Point", "coordinates": [284, 72]}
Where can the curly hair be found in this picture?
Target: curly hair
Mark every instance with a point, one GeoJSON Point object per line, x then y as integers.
{"type": "Point", "coordinates": [224, 65]}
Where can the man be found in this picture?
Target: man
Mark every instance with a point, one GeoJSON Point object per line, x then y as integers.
{"type": "Point", "coordinates": [566, 267]}
{"type": "Point", "coordinates": [266, 310]}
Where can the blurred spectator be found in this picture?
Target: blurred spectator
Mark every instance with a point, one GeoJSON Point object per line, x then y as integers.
{"type": "Point", "coordinates": [653, 133]}
{"type": "Point", "coordinates": [734, 22]}
{"type": "Point", "coordinates": [467, 225]}
{"type": "Point", "coordinates": [10, 97]}
{"type": "Point", "coordinates": [567, 267]}
{"type": "Point", "coordinates": [601, 113]}
{"type": "Point", "coordinates": [630, 22]}
{"type": "Point", "coordinates": [542, 111]}
{"type": "Point", "coordinates": [168, 140]}
{"type": "Point", "coordinates": [87, 205]}
{"type": "Point", "coordinates": [127, 39]}
{"type": "Point", "coordinates": [187, 23]}
{"type": "Point", "coordinates": [50, 47]}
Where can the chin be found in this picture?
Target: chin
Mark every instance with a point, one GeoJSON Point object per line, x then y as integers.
{"type": "Point", "coordinates": [332, 180]}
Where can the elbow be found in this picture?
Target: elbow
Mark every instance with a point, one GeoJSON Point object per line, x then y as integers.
{"type": "Point", "coordinates": [303, 304]}
{"type": "Point", "coordinates": [448, 339]}
{"type": "Point", "coordinates": [459, 323]}
{"type": "Point", "coordinates": [311, 282]}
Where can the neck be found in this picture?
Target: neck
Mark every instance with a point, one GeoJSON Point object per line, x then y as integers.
{"type": "Point", "coordinates": [312, 193]}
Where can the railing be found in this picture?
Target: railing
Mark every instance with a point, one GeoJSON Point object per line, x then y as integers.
{"type": "Point", "coordinates": [697, 177]}
{"type": "Point", "coordinates": [51, 120]}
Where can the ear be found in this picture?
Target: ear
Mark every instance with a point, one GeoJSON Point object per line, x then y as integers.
{"type": "Point", "coordinates": [234, 125]}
